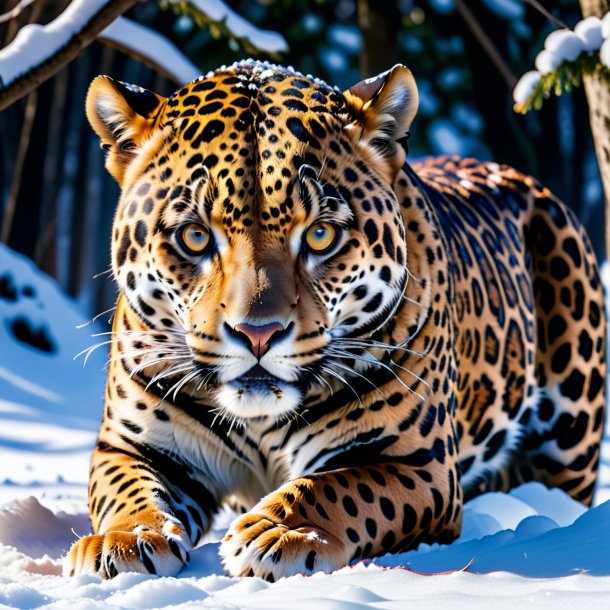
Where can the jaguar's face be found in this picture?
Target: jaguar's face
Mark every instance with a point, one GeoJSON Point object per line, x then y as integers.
{"type": "Point", "coordinates": [257, 225]}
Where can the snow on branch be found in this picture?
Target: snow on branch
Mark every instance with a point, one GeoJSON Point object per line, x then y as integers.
{"type": "Point", "coordinates": [151, 48]}
{"type": "Point", "coordinates": [38, 52]}
{"type": "Point", "coordinates": [567, 57]}
{"type": "Point", "coordinates": [221, 19]}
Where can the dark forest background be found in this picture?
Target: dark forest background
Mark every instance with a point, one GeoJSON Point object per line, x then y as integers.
{"type": "Point", "coordinates": [57, 202]}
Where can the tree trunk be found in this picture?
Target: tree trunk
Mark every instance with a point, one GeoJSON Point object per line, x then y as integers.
{"type": "Point", "coordinates": [379, 22]}
{"type": "Point", "coordinates": [598, 95]}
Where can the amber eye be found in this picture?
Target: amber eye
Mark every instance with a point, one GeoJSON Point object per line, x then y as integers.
{"type": "Point", "coordinates": [321, 237]}
{"type": "Point", "coordinates": [194, 238]}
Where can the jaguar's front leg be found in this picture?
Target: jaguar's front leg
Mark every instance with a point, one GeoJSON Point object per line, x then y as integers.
{"type": "Point", "coordinates": [325, 520]}
{"type": "Point", "coordinates": [134, 517]}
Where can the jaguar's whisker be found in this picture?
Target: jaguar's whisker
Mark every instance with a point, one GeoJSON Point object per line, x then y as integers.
{"type": "Point", "coordinates": [326, 368]}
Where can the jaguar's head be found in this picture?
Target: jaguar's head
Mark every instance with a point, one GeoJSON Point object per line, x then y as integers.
{"type": "Point", "coordinates": [257, 222]}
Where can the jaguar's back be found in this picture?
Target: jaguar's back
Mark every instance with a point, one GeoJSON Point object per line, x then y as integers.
{"type": "Point", "coordinates": [529, 329]}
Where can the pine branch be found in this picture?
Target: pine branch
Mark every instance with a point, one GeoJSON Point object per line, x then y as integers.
{"type": "Point", "coordinates": [567, 76]}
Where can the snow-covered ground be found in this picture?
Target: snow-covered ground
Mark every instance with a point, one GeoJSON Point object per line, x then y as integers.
{"type": "Point", "coordinates": [533, 547]}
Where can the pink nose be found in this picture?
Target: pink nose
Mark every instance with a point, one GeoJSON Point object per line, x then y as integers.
{"type": "Point", "coordinates": [259, 336]}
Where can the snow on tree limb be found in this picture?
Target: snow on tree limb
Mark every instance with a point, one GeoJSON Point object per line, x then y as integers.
{"type": "Point", "coordinates": [217, 14]}
{"type": "Point", "coordinates": [567, 59]}
{"type": "Point", "coordinates": [39, 52]}
{"type": "Point", "coordinates": [151, 48]}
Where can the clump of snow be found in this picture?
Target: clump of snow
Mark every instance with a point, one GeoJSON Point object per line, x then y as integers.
{"type": "Point", "coordinates": [565, 44]}
{"type": "Point", "coordinates": [148, 44]}
{"type": "Point", "coordinates": [546, 61]}
{"type": "Point", "coordinates": [526, 85]}
{"type": "Point", "coordinates": [589, 30]}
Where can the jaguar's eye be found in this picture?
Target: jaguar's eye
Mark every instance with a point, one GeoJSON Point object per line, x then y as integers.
{"type": "Point", "coordinates": [321, 237]}
{"type": "Point", "coordinates": [194, 238]}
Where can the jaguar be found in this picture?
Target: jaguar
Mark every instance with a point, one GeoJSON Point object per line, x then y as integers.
{"type": "Point", "coordinates": [341, 345]}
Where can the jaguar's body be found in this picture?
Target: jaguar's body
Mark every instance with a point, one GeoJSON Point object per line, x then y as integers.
{"type": "Point", "coordinates": [341, 344]}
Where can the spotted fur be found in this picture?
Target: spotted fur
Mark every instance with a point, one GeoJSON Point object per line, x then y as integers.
{"type": "Point", "coordinates": [449, 341]}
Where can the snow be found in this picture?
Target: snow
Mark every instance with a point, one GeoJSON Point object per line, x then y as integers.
{"type": "Point", "coordinates": [565, 44]}
{"type": "Point", "coordinates": [532, 547]}
{"type": "Point", "coordinates": [589, 30]}
{"type": "Point", "coordinates": [523, 540]}
{"type": "Point", "coordinates": [238, 27]}
{"type": "Point", "coordinates": [149, 44]}
{"type": "Point", "coordinates": [34, 43]}
{"type": "Point", "coordinates": [49, 422]}
{"type": "Point", "coordinates": [546, 61]}
{"type": "Point", "coordinates": [526, 85]}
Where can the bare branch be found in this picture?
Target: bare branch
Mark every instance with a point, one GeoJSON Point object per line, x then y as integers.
{"type": "Point", "coordinates": [558, 22]}
{"type": "Point", "coordinates": [15, 11]}
{"type": "Point", "coordinates": [486, 43]}
{"type": "Point", "coordinates": [39, 73]}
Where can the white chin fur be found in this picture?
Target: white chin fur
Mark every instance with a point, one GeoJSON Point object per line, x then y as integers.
{"type": "Point", "coordinates": [252, 400]}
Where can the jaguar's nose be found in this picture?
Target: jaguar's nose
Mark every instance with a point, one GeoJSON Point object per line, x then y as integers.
{"type": "Point", "coordinates": [258, 337]}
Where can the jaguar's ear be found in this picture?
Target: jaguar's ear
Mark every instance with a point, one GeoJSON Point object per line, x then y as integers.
{"type": "Point", "coordinates": [122, 116]}
{"type": "Point", "coordinates": [382, 109]}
